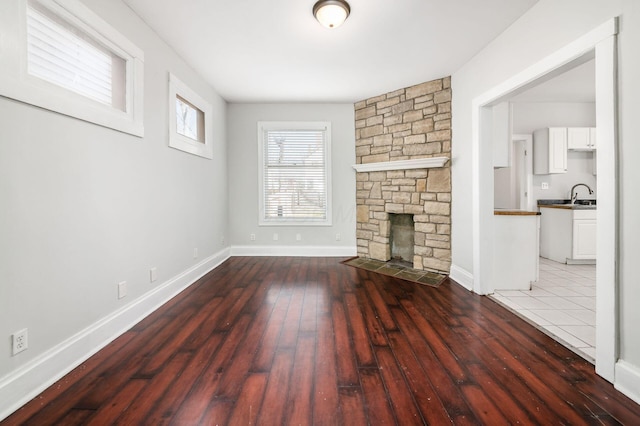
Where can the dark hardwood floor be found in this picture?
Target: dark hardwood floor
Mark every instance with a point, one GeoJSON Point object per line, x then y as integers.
{"type": "Point", "coordinates": [311, 341]}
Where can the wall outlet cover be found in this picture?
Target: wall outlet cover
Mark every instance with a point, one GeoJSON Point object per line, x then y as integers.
{"type": "Point", "coordinates": [544, 185]}
{"type": "Point", "coordinates": [20, 341]}
{"type": "Point", "coordinates": [122, 289]}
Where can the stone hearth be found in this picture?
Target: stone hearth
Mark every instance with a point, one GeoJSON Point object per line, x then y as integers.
{"type": "Point", "coordinates": [406, 124]}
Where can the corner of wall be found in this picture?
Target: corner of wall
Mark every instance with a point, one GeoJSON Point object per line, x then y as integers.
{"type": "Point", "coordinates": [627, 380]}
{"type": "Point", "coordinates": [461, 276]}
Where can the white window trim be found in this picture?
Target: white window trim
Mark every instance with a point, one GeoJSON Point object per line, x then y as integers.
{"type": "Point", "coordinates": [293, 125]}
{"type": "Point", "coordinates": [181, 142]}
{"type": "Point", "coordinates": [16, 83]}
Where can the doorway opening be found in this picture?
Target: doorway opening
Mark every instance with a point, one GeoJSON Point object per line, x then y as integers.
{"type": "Point", "coordinates": [561, 299]}
{"type": "Point", "coordinates": [600, 44]}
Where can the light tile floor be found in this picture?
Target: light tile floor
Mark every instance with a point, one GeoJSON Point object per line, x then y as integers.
{"type": "Point", "coordinates": [562, 303]}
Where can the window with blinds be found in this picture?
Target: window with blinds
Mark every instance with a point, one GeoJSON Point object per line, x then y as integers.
{"type": "Point", "coordinates": [61, 56]}
{"type": "Point", "coordinates": [64, 55]}
{"type": "Point", "coordinates": [295, 173]}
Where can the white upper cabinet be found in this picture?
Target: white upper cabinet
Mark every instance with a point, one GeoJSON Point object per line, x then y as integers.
{"type": "Point", "coordinates": [550, 150]}
{"type": "Point", "coordinates": [581, 138]}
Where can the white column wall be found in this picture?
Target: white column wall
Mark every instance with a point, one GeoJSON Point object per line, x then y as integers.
{"type": "Point", "coordinates": [544, 29]}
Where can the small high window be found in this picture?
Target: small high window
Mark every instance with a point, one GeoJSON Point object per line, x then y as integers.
{"type": "Point", "coordinates": [62, 54]}
{"type": "Point", "coordinates": [66, 59]}
{"type": "Point", "coordinates": [190, 118]}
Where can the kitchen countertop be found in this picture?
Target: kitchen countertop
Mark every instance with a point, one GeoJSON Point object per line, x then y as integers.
{"type": "Point", "coordinates": [567, 205]}
{"type": "Point", "coordinates": [512, 212]}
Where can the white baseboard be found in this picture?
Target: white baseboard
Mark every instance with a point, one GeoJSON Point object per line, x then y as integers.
{"type": "Point", "coordinates": [627, 380]}
{"type": "Point", "coordinates": [462, 277]}
{"type": "Point", "coordinates": [25, 383]}
{"type": "Point", "coordinates": [298, 251]}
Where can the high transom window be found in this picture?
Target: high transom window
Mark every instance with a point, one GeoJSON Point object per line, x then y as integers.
{"type": "Point", "coordinates": [61, 56]}
{"type": "Point", "coordinates": [190, 118]}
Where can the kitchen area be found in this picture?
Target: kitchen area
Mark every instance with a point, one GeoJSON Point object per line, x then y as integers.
{"type": "Point", "coordinates": [545, 200]}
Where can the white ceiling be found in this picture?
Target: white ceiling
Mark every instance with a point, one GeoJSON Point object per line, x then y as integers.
{"type": "Point", "coordinates": [575, 85]}
{"type": "Point", "coordinates": [275, 51]}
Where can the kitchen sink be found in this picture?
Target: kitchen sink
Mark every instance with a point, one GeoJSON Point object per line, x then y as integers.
{"type": "Point", "coordinates": [567, 204]}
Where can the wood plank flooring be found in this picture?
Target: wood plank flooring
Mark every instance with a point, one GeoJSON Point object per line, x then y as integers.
{"type": "Point", "coordinates": [307, 341]}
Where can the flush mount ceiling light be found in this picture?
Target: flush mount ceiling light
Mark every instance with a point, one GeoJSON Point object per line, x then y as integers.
{"type": "Point", "coordinates": [331, 13]}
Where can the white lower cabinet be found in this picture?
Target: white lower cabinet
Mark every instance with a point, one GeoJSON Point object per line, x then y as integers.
{"type": "Point", "coordinates": [584, 234]}
{"type": "Point", "coordinates": [568, 236]}
{"type": "Point", "coordinates": [515, 251]}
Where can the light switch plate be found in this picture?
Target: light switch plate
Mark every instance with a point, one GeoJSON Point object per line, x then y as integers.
{"type": "Point", "coordinates": [122, 289]}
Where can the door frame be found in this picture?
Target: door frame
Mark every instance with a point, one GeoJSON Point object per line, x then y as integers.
{"type": "Point", "coordinates": [599, 43]}
{"type": "Point", "coordinates": [527, 173]}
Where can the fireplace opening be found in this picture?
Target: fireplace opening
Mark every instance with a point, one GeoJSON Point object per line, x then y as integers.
{"type": "Point", "coordinates": [402, 238]}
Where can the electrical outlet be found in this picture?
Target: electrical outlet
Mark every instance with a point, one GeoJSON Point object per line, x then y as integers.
{"type": "Point", "coordinates": [275, 237]}
{"type": "Point", "coordinates": [20, 341]}
{"type": "Point", "coordinates": [298, 237]}
{"type": "Point", "coordinates": [252, 237]}
{"type": "Point", "coordinates": [153, 274]}
{"type": "Point", "coordinates": [544, 185]}
{"type": "Point", "coordinates": [222, 240]}
{"type": "Point", "coordinates": [122, 289]}
{"type": "Point", "coordinates": [338, 237]}
{"type": "Point", "coordinates": [195, 253]}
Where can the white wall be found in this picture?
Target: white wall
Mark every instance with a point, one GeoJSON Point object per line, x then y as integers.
{"type": "Point", "coordinates": [243, 181]}
{"type": "Point", "coordinates": [545, 28]}
{"type": "Point", "coordinates": [629, 174]}
{"type": "Point", "coordinates": [85, 207]}
{"type": "Point", "coordinates": [531, 116]}
{"type": "Point", "coordinates": [579, 170]}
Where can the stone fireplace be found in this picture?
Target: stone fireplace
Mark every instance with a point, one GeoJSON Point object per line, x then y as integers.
{"type": "Point", "coordinates": [403, 143]}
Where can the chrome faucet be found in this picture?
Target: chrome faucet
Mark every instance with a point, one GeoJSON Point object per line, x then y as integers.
{"type": "Point", "coordinates": [574, 198]}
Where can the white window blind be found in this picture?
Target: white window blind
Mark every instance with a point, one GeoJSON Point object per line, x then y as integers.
{"type": "Point", "coordinates": [295, 175]}
{"type": "Point", "coordinates": [64, 55]}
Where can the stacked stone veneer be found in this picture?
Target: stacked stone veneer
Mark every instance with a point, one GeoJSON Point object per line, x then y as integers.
{"type": "Point", "coordinates": [410, 123]}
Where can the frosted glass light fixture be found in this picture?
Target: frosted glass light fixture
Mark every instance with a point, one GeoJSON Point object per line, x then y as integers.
{"type": "Point", "coordinates": [331, 13]}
